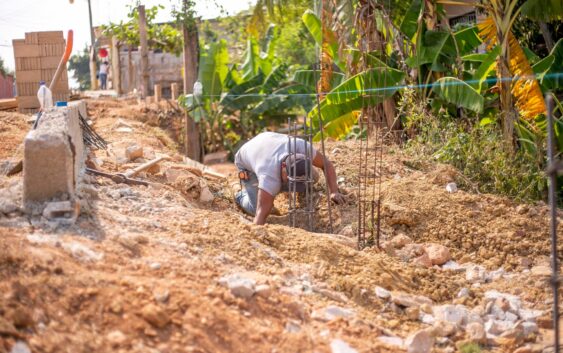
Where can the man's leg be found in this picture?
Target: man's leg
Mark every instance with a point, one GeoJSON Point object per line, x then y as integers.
{"type": "Point", "coordinates": [246, 198]}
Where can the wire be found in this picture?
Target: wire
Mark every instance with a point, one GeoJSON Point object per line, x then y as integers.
{"type": "Point", "coordinates": [372, 91]}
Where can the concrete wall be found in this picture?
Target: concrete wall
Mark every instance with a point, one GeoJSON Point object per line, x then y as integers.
{"type": "Point", "coordinates": [54, 155]}
{"type": "Point", "coordinates": [165, 69]}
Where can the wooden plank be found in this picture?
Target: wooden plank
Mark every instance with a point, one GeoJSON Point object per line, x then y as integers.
{"type": "Point", "coordinates": [9, 103]}
{"type": "Point", "coordinates": [28, 102]}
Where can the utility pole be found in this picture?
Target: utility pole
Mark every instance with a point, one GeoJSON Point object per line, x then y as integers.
{"type": "Point", "coordinates": [93, 68]}
{"type": "Point", "coordinates": [191, 58]}
{"type": "Point", "coordinates": [144, 51]}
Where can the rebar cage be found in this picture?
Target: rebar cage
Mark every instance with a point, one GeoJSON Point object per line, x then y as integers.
{"type": "Point", "coordinates": [296, 208]}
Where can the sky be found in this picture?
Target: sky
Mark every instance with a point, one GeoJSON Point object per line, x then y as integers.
{"type": "Point", "coordinates": [20, 16]}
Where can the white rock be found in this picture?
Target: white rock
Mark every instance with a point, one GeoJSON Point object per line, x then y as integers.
{"type": "Point", "coordinates": [453, 266]}
{"type": "Point", "coordinates": [463, 292]}
{"type": "Point", "coordinates": [427, 319]}
{"type": "Point", "coordinates": [391, 340]}
{"type": "Point", "coordinates": [161, 295]}
{"type": "Point", "coordinates": [451, 187]}
{"type": "Point", "coordinates": [513, 300]}
{"type": "Point", "coordinates": [496, 275]}
{"type": "Point", "coordinates": [155, 266]}
{"type": "Point", "coordinates": [419, 342]}
{"type": "Point", "coordinates": [404, 299]}
{"type": "Point", "coordinates": [497, 327]}
{"type": "Point", "coordinates": [456, 314]}
{"type": "Point", "coordinates": [263, 290]}
{"type": "Point", "coordinates": [332, 312]}
{"type": "Point", "coordinates": [476, 332]}
{"type": "Point", "coordinates": [529, 314]}
{"type": "Point", "coordinates": [476, 273]}
{"type": "Point", "coordinates": [82, 252]}
{"type": "Point", "coordinates": [382, 292]}
{"type": "Point", "coordinates": [20, 347]}
{"type": "Point", "coordinates": [339, 346]}
{"type": "Point", "coordinates": [292, 327]}
{"type": "Point", "coordinates": [116, 338]}
{"type": "Point", "coordinates": [508, 316]}
{"type": "Point", "coordinates": [239, 286]}
{"type": "Point", "coordinates": [529, 328]}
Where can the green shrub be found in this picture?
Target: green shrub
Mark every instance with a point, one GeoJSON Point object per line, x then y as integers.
{"type": "Point", "coordinates": [470, 348]}
{"type": "Point", "coordinates": [479, 153]}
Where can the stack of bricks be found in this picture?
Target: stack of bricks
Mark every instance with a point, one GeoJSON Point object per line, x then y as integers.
{"type": "Point", "coordinates": [37, 57]}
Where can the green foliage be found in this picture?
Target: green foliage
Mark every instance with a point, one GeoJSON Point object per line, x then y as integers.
{"type": "Point", "coordinates": [470, 348]}
{"type": "Point", "coordinates": [457, 92]}
{"type": "Point", "coordinates": [79, 64]}
{"type": "Point", "coordinates": [478, 151]}
{"type": "Point", "coordinates": [163, 37]}
{"type": "Point", "coordinates": [543, 10]}
{"type": "Point", "coordinates": [3, 70]}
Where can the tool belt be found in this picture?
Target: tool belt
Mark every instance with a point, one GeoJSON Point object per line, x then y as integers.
{"type": "Point", "coordinates": [243, 175]}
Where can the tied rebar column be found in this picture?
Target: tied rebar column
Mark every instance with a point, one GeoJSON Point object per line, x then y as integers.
{"type": "Point", "coordinates": [372, 122]}
{"type": "Point", "coordinates": [306, 149]}
{"type": "Point", "coordinates": [553, 169]}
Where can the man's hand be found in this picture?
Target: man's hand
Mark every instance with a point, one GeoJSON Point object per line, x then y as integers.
{"type": "Point", "coordinates": [337, 198]}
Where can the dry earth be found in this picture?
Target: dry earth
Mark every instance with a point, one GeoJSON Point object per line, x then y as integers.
{"type": "Point", "coordinates": [163, 269]}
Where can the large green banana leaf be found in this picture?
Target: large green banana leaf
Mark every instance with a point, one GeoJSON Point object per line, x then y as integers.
{"type": "Point", "coordinates": [213, 69]}
{"type": "Point", "coordinates": [275, 78]}
{"type": "Point", "coordinates": [487, 66]}
{"type": "Point", "coordinates": [251, 64]}
{"type": "Point", "coordinates": [367, 88]}
{"type": "Point", "coordinates": [286, 98]}
{"type": "Point", "coordinates": [552, 77]}
{"type": "Point", "coordinates": [313, 24]}
{"type": "Point", "coordinates": [409, 22]}
{"type": "Point", "coordinates": [543, 10]}
{"type": "Point", "coordinates": [339, 127]}
{"type": "Point", "coordinates": [467, 39]}
{"type": "Point", "coordinates": [459, 93]}
{"type": "Point", "coordinates": [432, 45]}
{"type": "Point", "coordinates": [242, 95]}
{"type": "Point", "coordinates": [309, 78]}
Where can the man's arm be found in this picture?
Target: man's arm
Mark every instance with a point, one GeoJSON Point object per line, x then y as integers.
{"type": "Point", "coordinates": [322, 162]}
{"type": "Point", "coordinates": [264, 204]}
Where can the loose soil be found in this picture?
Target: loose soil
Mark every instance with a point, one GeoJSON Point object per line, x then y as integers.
{"type": "Point", "coordinates": [139, 270]}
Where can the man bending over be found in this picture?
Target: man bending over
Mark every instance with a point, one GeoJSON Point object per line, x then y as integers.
{"type": "Point", "coordinates": [264, 165]}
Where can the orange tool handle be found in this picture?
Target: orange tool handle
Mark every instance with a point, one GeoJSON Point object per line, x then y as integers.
{"type": "Point", "coordinates": [64, 59]}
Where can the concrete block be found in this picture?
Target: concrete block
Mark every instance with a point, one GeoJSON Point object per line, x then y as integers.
{"type": "Point", "coordinates": [54, 155]}
{"type": "Point", "coordinates": [26, 50]}
{"type": "Point", "coordinates": [50, 62]}
{"type": "Point", "coordinates": [30, 76]}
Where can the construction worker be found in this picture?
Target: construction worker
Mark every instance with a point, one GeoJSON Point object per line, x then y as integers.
{"type": "Point", "coordinates": [264, 164]}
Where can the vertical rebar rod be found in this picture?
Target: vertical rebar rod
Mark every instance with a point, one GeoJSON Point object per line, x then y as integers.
{"type": "Point", "coordinates": [321, 124]}
{"type": "Point", "coordinates": [294, 171]}
{"type": "Point", "coordinates": [307, 167]}
{"type": "Point", "coordinates": [553, 224]}
{"type": "Point", "coordinates": [290, 206]}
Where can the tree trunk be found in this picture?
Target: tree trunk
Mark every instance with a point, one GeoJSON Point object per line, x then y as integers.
{"type": "Point", "coordinates": [144, 52]}
{"type": "Point", "coordinates": [191, 56]}
{"type": "Point", "coordinates": [130, 84]}
{"type": "Point", "coordinates": [546, 33]}
{"type": "Point", "coordinates": [506, 108]}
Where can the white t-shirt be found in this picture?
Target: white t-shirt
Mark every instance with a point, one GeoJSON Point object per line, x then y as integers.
{"type": "Point", "coordinates": [263, 156]}
{"type": "Point", "coordinates": [104, 69]}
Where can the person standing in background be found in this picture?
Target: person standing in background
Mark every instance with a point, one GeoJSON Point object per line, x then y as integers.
{"type": "Point", "coordinates": [104, 68]}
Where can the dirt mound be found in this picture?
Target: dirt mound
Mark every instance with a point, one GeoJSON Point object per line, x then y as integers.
{"type": "Point", "coordinates": [144, 268]}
